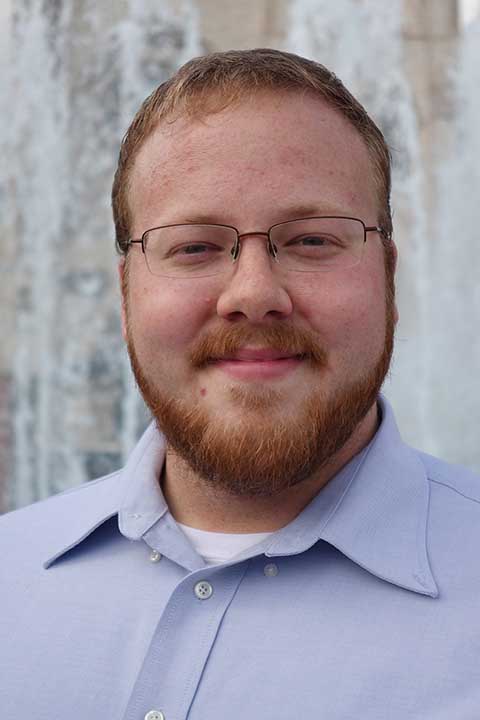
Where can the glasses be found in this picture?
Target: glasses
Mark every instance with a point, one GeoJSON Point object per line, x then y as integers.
{"type": "Point", "coordinates": [315, 244]}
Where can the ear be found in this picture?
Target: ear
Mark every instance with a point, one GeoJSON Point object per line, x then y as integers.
{"type": "Point", "coordinates": [395, 257]}
{"type": "Point", "coordinates": [122, 272]}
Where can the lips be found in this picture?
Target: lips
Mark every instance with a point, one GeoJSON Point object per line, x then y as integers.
{"type": "Point", "coordinates": [258, 364]}
{"type": "Point", "coordinates": [258, 355]}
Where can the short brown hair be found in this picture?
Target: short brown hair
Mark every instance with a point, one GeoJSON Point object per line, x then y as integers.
{"type": "Point", "coordinates": [210, 83]}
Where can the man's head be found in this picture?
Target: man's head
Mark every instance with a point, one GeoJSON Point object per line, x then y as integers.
{"type": "Point", "coordinates": [206, 84]}
{"type": "Point", "coordinates": [260, 375]}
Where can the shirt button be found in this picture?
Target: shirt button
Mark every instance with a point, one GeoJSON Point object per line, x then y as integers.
{"type": "Point", "coordinates": [155, 556]}
{"type": "Point", "coordinates": [270, 570]}
{"type": "Point", "coordinates": [154, 715]}
{"type": "Point", "coordinates": [203, 590]}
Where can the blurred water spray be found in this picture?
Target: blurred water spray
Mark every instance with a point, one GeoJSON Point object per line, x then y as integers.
{"type": "Point", "coordinates": [80, 71]}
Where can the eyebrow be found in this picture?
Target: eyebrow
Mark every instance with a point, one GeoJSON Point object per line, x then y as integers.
{"type": "Point", "coordinates": [288, 213]}
{"type": "Point", "coordinates": [299, 211]}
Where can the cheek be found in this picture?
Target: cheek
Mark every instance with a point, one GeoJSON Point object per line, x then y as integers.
{"type": "Point", "coordinates": [167, 319]}
{"type": "Point", "coordinates": [367, 321]}
{"type": "Point", "coordinates": [346, 312]}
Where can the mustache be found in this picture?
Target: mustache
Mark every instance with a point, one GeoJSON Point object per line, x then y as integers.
{"type": "Point", "coordinates": [283, 338]}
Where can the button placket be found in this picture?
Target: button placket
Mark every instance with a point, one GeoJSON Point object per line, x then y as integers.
{"type": "Point", "coordinates": [195, 610]}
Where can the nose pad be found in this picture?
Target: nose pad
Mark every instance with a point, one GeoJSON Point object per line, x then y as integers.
{"type": "Point", "coordinates": [273, 250]}
{"type": "Point", "coordinates": [235, 251]}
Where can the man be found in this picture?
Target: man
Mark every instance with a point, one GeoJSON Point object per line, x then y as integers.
{"type": "Point", "coordinates": [272, 548]}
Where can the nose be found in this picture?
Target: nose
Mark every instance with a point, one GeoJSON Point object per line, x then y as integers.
{"type": "Point", "coordinates": [255, 290]}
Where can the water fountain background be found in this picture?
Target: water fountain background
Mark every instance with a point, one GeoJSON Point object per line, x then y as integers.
{"type": "Point", "coordinates": [68, 407]}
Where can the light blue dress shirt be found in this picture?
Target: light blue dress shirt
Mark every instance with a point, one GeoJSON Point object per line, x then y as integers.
{"type": "Point", "coordinates": [367, 605]}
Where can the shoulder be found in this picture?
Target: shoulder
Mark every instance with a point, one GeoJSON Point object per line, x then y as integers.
{"type": "Point", "coordinates": [44, 530]}
{"type": "Point", "coordinates": [60, 509]}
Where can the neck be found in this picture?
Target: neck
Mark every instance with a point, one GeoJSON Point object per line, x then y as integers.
{"type": "Point", "coordinates": [194, 502]}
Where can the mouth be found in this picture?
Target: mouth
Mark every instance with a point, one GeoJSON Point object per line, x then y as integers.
{"type": "Point", "coordinates": [258, 364]}
{"type": "Point", "coordinates": [258, 355]}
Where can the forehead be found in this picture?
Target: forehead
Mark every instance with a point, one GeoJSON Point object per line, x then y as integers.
{"type": "Point", "coordinates": [267, 149]}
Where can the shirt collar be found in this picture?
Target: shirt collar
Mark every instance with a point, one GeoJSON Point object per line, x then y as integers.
{"type": "Point", "coordinates": [143, 503]}
{"type": "Point", "coordinates": [374, 511]}
{"type": "Point", "coordinates": [133, 494]}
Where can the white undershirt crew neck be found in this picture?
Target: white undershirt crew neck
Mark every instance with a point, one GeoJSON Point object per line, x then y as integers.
{"type": "Point", "coordinates": [217, 547]}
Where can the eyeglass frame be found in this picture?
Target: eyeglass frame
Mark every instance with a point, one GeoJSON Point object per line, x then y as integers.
{"type": "Point", "coordinates": [273, 252]}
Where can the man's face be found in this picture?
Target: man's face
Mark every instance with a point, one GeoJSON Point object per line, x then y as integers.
{"type": "Point", "coordinates": [253, 422]}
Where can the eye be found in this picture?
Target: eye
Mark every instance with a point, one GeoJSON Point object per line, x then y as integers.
{"type": "Point", "coordinates": [194, 254]}
{"type": "Point", "coordinates": [314, 240]}
{"type": "Point", "coordinates": [195, 249]}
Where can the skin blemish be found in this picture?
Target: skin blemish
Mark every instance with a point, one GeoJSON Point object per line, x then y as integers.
{"type": "Point", "coordinates": [203, 392]}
